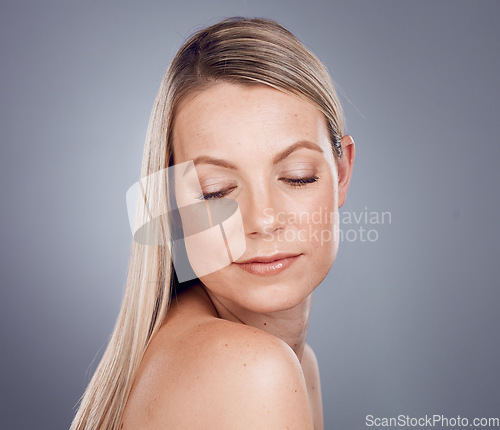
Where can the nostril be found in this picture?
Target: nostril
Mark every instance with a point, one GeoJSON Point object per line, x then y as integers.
{"type": "Point", "coordinates": [260, 213]}
{"type": "Point", "coordinates": [267, 231]}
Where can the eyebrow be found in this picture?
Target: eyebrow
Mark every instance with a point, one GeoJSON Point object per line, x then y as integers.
{"type": "Point", "coordinates": [205, 159]}
{"type": "Point", "coordinates": [292, 148]}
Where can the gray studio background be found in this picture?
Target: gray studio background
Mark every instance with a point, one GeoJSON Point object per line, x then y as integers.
{"type": "Point", "coordinates": [406, 324]}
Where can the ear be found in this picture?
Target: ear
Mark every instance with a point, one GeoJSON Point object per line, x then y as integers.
{"type": "Point", "coordinates": [345, 164]}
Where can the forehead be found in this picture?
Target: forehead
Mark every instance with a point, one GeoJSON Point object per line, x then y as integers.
{"type": "Point", "coordinates": [249, 118]}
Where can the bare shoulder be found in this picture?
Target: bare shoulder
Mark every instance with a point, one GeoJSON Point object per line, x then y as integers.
{"type": "Point", "coordinates": [311, 374]}
{"type": "Point", "coordinates": [222, 375]}
{"type": "Point", "coordinates": [310, 363]}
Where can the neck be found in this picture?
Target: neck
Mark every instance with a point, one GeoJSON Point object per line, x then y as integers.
{"type": "Point", "coordinates": [289, 325]}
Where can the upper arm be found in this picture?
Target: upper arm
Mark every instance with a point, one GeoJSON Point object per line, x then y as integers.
{"type": "Point", "coordinates": [241, 378]}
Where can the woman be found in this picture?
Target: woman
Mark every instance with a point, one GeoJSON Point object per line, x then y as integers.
{"type": "Point", "coordinates": [256, 115]}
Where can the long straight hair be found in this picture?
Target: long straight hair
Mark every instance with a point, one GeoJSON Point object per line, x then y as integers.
{"type": "Point", "coordinates": [245, 51]}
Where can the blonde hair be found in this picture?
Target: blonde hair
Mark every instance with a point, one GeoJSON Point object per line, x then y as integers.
{"type": "Point", "coordinates": [236, 50]}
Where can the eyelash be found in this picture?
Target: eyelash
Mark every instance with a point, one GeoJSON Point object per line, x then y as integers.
{"type": "Point", "coordinates": [216, 194]}
{"type": "Point", "coordinates": [299, 182]}
{"type": "Point", "coordinates": [294, 182]}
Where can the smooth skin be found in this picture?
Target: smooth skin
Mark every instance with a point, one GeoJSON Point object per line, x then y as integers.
{"type": "Point", "coordinates": [232, 353]}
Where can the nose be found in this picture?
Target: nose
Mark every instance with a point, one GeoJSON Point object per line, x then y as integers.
{"type": "Point", "coordinates": [261, 214]}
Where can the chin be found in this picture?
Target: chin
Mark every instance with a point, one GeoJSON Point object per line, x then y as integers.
{"type": "Point", "coordinates": [277, 297]}
{"type": "Point", "coordinates": [264, 294]}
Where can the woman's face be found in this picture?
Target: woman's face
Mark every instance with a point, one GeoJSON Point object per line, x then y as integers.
{"type": "Point", "coordinates": [270, 152]}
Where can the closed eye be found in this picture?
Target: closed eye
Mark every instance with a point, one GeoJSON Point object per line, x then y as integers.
{"type": "Point", "coordinates": [294, 182]}
{"type": "Point", "coordinates": [297, 182]}
{"type": "Point", "coordinates": [216, 194]}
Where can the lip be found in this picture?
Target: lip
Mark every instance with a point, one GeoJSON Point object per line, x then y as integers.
{"type": "Point", "coordinates": [268, 265]}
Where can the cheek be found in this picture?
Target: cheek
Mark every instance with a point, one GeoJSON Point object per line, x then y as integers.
{"type": "Point", "coordinates": [316, 224]}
